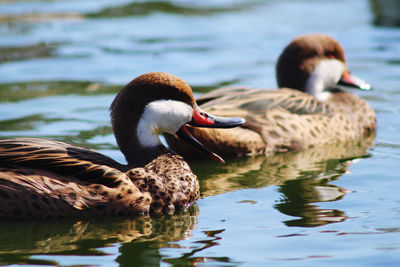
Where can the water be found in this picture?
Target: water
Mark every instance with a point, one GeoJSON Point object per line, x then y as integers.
{"type": "Point", "coordinates": [62, 62]}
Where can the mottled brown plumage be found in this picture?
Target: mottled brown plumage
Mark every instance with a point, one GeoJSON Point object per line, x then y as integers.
{"type": "Point", "coordinates": [45, 178]}
{"type": "Point", "coordinates": [287, 119]}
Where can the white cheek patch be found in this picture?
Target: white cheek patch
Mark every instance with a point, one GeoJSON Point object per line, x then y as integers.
{"type": "Point", "coordinates": [327, 74]}
{"type": "Point", "coordinates": [162, 116]}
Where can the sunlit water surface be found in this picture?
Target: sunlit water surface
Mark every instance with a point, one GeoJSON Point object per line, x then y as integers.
{"type": "Point", "coordinates": [62, 62]}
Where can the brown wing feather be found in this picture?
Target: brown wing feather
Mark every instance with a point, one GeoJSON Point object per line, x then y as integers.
{"type": "Point", "coordinates": [60, 158]}
{"type": "Point", "coordinates": [259, 101]}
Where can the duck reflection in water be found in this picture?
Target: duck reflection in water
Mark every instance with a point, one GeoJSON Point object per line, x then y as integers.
{"type": "Point", "coordinates": [141, 237]}
{"type": "Point", "coordinates": [299, 195]}
{"type": "Point", "coordinates": [302, 177]}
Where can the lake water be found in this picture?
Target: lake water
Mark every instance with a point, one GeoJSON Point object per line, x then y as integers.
{"type": "Point", "coordinates": [63, 61]}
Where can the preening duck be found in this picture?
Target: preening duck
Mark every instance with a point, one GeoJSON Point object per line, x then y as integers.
{"type": "Point", "coordinates": [45, 178]}
{"type": "Point", "coordinates": [314, 112]}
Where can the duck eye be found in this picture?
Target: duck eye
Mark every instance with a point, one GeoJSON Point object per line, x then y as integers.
{"type": "Point", "coordinates": [330, 55]}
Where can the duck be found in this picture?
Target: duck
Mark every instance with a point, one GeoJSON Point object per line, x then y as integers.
{"type": "Point", "coordinates": [41, 178]}
{"type": "Point", "coordinates": [310, 108]}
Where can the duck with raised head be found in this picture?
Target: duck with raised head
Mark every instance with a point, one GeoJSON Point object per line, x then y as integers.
{"type": "Point", "coordinates": [45, 178]}
{"type": "Point", "coordinates": [314, 112]}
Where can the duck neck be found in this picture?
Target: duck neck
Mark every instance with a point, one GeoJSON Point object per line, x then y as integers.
{"type": "Point", "coordinates": [142, 156]}
{"type": "Point", "coordinates": [316, 87]}
{"type": "Point", "coordinates": [140, 144]}
{"type": "Point", "coordinates": [324, 76]}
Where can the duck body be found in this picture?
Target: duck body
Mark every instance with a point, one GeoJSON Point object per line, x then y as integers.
{"type": "Point", "coordinates": [316, 114]}
{"type": "Point", "coordinates": [43, 178]}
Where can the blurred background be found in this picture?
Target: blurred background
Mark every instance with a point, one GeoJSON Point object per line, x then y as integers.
{"type": "Point", "coordinates": [63, 61]}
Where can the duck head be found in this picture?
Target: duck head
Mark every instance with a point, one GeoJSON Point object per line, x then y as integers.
{"type": "Point", "coordinates": [156, 103]}
{"type": "Point", "coordinates": [314, 63]}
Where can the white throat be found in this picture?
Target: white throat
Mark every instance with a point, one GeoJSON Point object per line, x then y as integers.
{"type": "Point", "coordinates": [325, 75]}
{"type": "Point", "coordinates": [162, 116]}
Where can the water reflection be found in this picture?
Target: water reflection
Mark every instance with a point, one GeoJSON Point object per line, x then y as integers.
{"type": "Point", "coordinates": [40, 50]}
{"type": "Point", "coordinates": [386, 12]}
{"type": "Point", "coordinates": [169, 7]}
{"type": "Point", "coordinates": [303, 178]}
{"type": "Point", "coordinates": [188, 258]}
{"type": "Point", "coordinates": [13, 92]}
{"type": "Point", "coordinates": [40, 12]}
{"type": "Point", "coordinates": [297, 199]}
{"type": "Point", "coordinates": [141, 238]}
